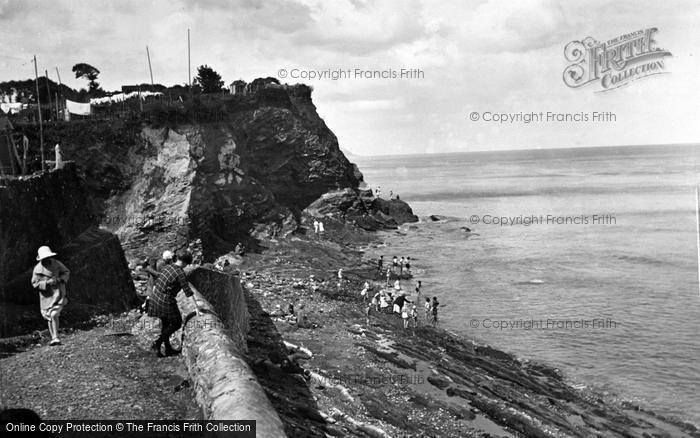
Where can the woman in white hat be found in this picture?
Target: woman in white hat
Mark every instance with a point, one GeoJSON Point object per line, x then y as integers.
{"type": "Point", "coordinates": [49, 278]}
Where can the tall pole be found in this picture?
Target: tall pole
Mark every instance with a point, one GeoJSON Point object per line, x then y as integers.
{"type": "Point", "coordinates": [60, 84]}
{"type": "Point", "coordinates": [41, 124]}
{"type": "Point", "coordinates": [48, 91]}
{"type": "Point", "coordinates": [148, 54]}
{"type": "Point", "coordinates": [189, 65]}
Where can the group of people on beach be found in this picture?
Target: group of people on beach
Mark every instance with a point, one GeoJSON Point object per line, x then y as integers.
{"type": "Point", "coordinates": [397, 302]}
{"type": "Point", "coordinates": [398, 267]}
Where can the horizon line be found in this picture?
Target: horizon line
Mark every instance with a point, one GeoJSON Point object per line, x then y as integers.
{"type": "Point", "coordinates": [354, 154]}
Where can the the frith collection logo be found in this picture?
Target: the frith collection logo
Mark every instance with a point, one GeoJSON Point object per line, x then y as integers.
{"type": "Point", "coordinates": [614, 63]}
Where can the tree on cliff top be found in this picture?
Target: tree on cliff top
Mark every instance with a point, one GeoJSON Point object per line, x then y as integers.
{"type": "Point", "coordinates": [88, 72]}
{"type": "Point", "coordinates": [208, 79]}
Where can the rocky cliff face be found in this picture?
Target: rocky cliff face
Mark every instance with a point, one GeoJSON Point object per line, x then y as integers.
{"type": "Point", "coordinates": [244, 170]}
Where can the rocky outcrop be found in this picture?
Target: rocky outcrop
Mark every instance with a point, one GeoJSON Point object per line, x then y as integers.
{"type": "Point", "coordinates": [362, 208]}
{"type": "Point", "coordinates": [225, 386]}
{"type": "Point", "coordinates": [397, 209]}
{"type": "Point", "coordinates": [246, 169]}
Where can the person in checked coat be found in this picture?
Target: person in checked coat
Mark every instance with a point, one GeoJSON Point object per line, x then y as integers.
{"type": "Point", "coordinates": [163, 304]}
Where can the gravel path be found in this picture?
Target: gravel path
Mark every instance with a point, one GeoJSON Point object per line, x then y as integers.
{"type": "Point", "coordinates": [101, 373]}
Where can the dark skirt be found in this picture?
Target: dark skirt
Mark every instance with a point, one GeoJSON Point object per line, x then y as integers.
{"type": "Point", "coordinates": [163, 306]}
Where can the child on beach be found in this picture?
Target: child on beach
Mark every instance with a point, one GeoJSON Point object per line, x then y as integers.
{"type": "Point", "coordinates": [365, 291]}
{"type": "Point", "coordinates": [383, 304]}
{"type": "Point", "coordinates": [408, 265]}
{"type": "Point", "coordinates": [404, 315]}
{"type": "Point", "coordinates": [394, 263]}
{"type": "Point", "coordinates": [402, 262]}
{"type": "Point", "coordinates": [388, 276]}
{"type": "Point", "coordinates": [368, 310]}
{"type": "Point", "coordinates": [414, 315]}
{"type": "Point", "coordinates": [375, 301]}
{"type": "Point", "coordinates": [380, 264]}
{"type": "Point", "coordinates": [427, 309]}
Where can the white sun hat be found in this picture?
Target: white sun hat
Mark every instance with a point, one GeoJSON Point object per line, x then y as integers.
{"type": "Point", "coordinates": [44, 252]}
{"type": "Point", "coordinates": [168, 255]}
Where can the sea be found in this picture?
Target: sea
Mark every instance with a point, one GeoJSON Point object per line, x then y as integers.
{"type": "Point", "coordinates": [585, 259]}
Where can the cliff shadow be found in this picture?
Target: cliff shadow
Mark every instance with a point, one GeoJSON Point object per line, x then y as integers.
{"type": "Point", "coordinates": [284, 384]}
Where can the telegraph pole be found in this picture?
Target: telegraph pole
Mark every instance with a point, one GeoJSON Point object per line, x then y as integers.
{"type": "Point", "coordinates": [48, 91]}
{"type": "Point", "coordinates": [148, 54]}
{"type": "Point", "coordinates": [41, 125]}
{"type": "Point", "coordinates": [189, 65]}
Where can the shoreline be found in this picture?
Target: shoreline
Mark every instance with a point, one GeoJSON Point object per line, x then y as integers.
{"type": "Point", "coordinates": [468, 387]}
{"type": "Point", "coordinates": [609, 390]}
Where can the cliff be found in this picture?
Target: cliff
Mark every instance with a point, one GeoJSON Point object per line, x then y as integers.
{"type": "Point", "coordinates": [223, 170]}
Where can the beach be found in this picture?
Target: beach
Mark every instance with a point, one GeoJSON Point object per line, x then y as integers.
{"type": "Point", "coordinates": [583, 259]}
{"type": "Point", "coordinates": [420, 382]}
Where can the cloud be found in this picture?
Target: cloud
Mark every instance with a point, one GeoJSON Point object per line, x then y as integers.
{"type": "Point", "coordinates": [363, 28]}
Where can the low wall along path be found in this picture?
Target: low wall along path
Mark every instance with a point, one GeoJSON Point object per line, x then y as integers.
{"type": "Point", "coordinates": [225, 387]}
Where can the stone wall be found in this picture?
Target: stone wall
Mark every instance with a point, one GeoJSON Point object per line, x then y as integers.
{"type": "Point", "coordinates": [225, 387]}
{"type": "Point", "coordinates": [224, 293]}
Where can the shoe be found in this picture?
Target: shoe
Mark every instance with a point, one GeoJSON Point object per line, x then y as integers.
{"type": "Point", "coordinates": [170, 351]}
{"type": "Point", "coordinates": [55, 341]}
{"type": "Point", "coordinates": [156, 347]}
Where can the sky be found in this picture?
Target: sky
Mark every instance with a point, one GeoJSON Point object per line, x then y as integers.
{"type": "Point", "coordinates": [488, 56]}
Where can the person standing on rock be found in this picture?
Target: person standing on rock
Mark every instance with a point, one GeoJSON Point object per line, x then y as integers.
{"type": "Point", "coordinates": [428, 307]}
{"type": "Point", "coordinates": [321, 229]}
{"type": "Point", "coordinates": [163, 303]}
{"type": "Point", "coordinates": [49, 278]}
{"type": "Point", "coordinates": [315, 228]}
{"type": "Point", "coordinates": [388, 276]}
{"type": "Point", "coordinates": [380, 264]}
{"type": "Point", "coordinates": [394, 264]}
{"type": "Point", "coordinates": [402, 263]}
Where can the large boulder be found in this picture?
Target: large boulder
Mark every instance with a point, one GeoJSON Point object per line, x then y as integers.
{"type": "Point", "coordinates": [100, 282]}
{"type": "Point", "coordinates": [397, 209]}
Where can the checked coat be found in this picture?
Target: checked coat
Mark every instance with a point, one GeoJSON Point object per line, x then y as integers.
{"type": "Point", "coordinates": [162, 302]}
